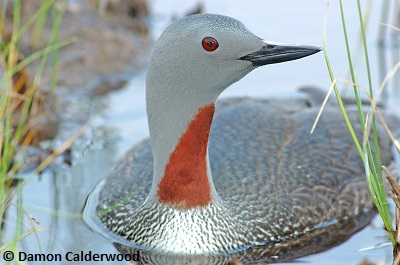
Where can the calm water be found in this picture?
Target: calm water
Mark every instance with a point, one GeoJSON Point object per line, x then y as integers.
{"type": "Point", "coordinates": [119, 120]}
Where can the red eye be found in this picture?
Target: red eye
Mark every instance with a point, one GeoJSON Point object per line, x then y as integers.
{"type": "Point", "coordinates": [210, 44]}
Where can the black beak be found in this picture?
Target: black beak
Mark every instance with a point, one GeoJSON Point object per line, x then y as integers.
{"type": "Point", "coordinates": [272, 53]}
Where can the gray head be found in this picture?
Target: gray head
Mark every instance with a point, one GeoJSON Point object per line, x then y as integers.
{"type": "Point", "coordinates": [210, 52]}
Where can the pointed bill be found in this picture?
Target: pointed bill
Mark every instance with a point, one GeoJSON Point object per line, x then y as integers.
{"type": "Point", "coordinates": [272, 53]}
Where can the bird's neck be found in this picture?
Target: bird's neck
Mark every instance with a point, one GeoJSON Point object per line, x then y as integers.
{"type": "Point", "coordinates": [179, 136]}
{"type": "Point", "coordinates": [185, 183]}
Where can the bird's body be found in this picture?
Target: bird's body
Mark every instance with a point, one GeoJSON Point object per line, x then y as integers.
{"type": "Point", "coordinates": [258, 179]}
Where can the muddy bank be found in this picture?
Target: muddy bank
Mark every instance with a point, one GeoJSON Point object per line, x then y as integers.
{"type": "Point", "coordinates": [106, 41]}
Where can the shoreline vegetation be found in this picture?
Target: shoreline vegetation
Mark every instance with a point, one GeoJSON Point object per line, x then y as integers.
{"type": "Point", "coordinates": [23, 113]}
{"type": "Point", "coordinates": [369, 150]}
